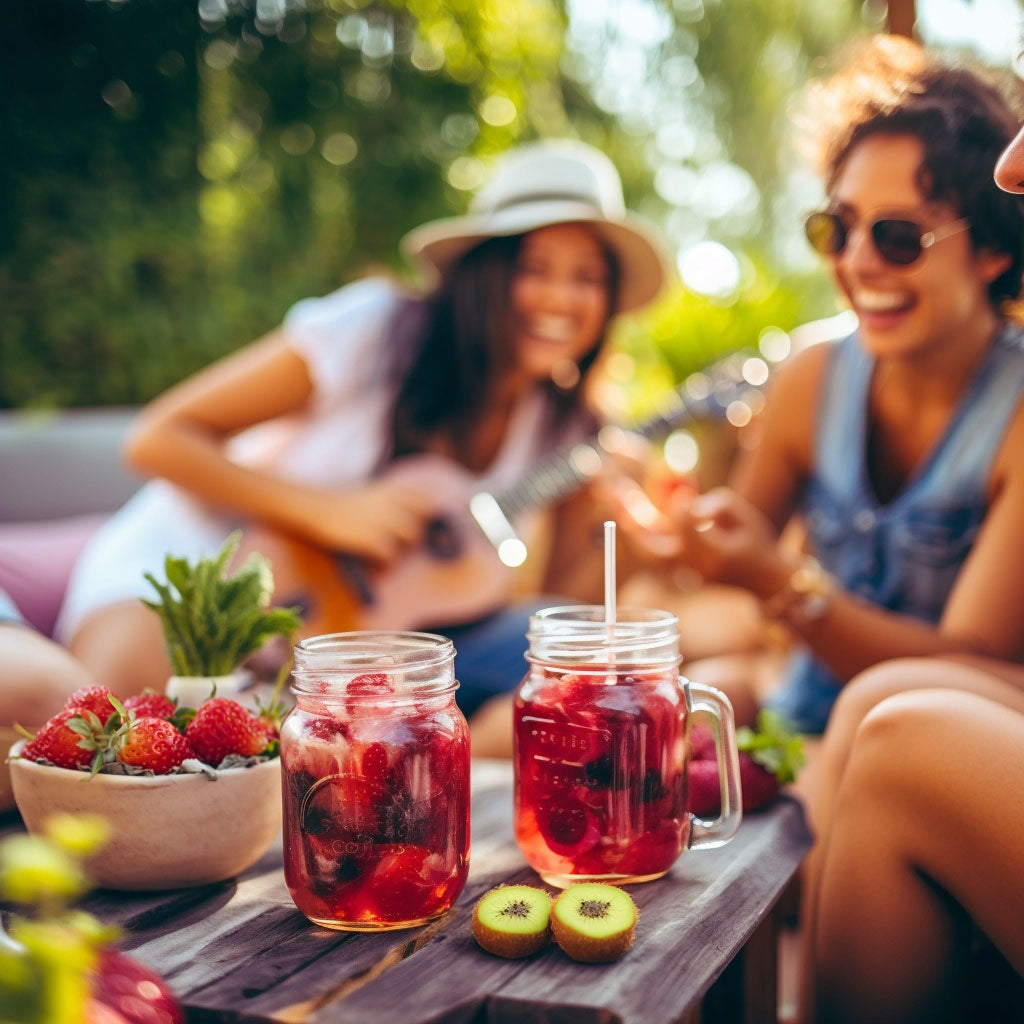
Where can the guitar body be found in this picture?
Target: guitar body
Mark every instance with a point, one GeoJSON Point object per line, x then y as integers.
{"type": "Point", "coordinates": [455, 576]}
{"type": "Point", "coordinates": [452, 578]}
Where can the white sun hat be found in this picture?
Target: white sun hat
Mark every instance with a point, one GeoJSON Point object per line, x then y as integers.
{"type": "Point", "coordinates": [551, 182]}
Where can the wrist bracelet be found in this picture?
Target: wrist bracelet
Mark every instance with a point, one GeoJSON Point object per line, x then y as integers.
{"type": "Point", "coordinates": [804, 598]}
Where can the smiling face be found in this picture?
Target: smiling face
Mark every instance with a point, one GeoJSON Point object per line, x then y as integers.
{"type": "Point", "coordinates": [942, 298]}
{"type": "Point", "coordinates": [560, 296]}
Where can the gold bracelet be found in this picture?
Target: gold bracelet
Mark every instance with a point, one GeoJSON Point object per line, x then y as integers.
{"type": "Point", "coordinates": [804, 598]}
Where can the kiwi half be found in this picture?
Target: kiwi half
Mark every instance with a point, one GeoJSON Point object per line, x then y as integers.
{"type": "Point", "coordinates": [593, 922]}
{"type": "Point", "coordinates": [513, 920]}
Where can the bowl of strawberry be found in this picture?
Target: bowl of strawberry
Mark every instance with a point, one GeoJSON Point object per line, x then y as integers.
{"type": "Point", "coordinates": [192, 795]}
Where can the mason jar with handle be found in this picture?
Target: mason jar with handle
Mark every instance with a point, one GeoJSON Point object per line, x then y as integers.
{"type": "Point", "coordinates": [601, 748]}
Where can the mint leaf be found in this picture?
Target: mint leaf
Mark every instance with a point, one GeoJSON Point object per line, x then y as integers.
{"type": "Point", "coordinates": [774, 745]}
{"type": "Point", "coordinates": [210, 622]}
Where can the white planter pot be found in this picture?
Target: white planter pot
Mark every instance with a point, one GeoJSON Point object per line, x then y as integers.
{"type": "Point", "coordinates": [191, 691]}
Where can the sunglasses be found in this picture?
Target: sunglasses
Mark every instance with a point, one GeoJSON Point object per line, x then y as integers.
{"type": "Point", "coordinates": [897, 240]}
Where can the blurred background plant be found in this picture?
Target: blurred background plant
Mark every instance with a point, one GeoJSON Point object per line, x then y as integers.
{"type": "Point", "coordinates": [177, 174]}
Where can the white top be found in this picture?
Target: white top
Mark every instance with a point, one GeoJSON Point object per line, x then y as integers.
{"type": "Point", "coordinates": [338, 442]}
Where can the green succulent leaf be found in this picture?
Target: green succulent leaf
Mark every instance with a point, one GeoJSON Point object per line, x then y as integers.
{"type": "Point", "coordinates": [212, 622]}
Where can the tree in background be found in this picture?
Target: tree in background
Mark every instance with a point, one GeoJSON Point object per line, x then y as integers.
{"type": "Point", "coordinates": [180, 174]}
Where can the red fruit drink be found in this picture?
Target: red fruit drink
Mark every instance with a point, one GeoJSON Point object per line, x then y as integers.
{"type": "Point", "coordinates": [375, 761]}
{"type": "Point", "coordinates": [601, 748]}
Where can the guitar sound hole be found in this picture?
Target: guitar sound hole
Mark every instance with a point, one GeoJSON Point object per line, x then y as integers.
{"type": "Point", "coordinates": [442, 540]}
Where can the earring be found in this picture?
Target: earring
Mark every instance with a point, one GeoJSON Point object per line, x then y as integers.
{"type": "Point", "coordinates": [565, 374]}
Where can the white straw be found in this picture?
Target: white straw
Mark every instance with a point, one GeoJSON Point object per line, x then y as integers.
{"type": "Point", "coordinates": [609, 572]}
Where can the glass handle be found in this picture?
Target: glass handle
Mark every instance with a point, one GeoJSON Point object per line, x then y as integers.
{"type": "Point", "coordinates": [707, 833]}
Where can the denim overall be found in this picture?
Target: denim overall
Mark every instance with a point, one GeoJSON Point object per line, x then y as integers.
{"type": "Point", "coordinates": [904, 555]}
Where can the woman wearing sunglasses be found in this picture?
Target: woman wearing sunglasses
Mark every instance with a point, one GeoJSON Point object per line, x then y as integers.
{"type": "Point", "coordinates": [912, 902]}
{"type": "Point", "coordinates": [900, 448]}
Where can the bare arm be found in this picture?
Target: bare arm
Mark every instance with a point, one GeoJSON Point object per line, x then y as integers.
{"type": "Point", "coordinates": [728, 540]}
{"type": "Point", "coordinates": [181, 436]}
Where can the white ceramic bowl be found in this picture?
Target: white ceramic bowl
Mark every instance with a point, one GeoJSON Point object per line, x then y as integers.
{"type": "Point", "coordinates": [167, 831]}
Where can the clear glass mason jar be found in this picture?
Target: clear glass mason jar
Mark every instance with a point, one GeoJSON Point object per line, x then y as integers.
{"type": "Point", "coordinates": [601, 747]}
{"type": "Point", "coordinates": [375, 763]}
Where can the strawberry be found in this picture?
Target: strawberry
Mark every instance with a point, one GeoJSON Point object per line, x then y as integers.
{"type": "Point", "coordinates": [150, 705]}
{"type": "Point", "coordinates": [373, 764]}
{"type": "Point", "coordinates": [221, 727]}
{"type": "Point", "coordinates": [91, 698]}
{"type": "Point", "coordinates": [702, 743]}
{"type": "Point", "coordinates": [769, 757]}
{"type": "Point", "coordinates": [66, 740]}
{"type": "Point", "coordinates": [702, 782]}
{"type": "Point", "coordinates": [153, 743]}
{"type": "Point", "coordinates": [133, 992]}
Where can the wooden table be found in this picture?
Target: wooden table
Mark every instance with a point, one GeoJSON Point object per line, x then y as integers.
{"type": "Point", "coordinates": [241, 952]}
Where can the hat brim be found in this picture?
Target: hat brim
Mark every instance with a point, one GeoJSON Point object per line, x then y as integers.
{"type": "Point", "coordinates": [642, 264]}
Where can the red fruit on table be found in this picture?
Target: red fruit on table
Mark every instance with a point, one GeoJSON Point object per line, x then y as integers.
{"type": "Point", "coordinates": [223, 727]}
{"type": "Point", "coordinates": [702, 743]}
{"type": "Point", "coordinates": [133, 991]}
{"type": "Point", "coordinates": [91, 698]}
{"type": "Point", "coordinates": [150, 705]}
{"type": "Point", "coordinates": [758, 785]}
{"type": "Point", "coordinates": [58, 743]}
{"type": "Point", "coordinates": [155, 744]}
{"type": "Point", "coordinates": [704, 797]}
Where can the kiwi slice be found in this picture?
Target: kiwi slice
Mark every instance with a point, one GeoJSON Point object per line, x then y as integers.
{"type": "Point", "coordinates": [512, 920]}
{"type": "Point", "coordinates": [594, 922]}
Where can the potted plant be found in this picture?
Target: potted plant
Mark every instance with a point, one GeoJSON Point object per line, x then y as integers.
{"type": "Point", "coordinates": [212, 621]}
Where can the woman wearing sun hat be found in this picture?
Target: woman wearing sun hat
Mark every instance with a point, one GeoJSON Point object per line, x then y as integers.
{"type": "Point", "coordinates": [296, 432]}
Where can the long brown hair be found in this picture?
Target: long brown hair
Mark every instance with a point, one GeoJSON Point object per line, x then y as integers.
{"type": "Point", "coordinates": [453, 347]}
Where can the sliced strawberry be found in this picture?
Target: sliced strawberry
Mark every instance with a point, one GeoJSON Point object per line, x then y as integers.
{"type": "Point", "coordinates": [568, 826]}
{"type": "Point", "coordinates": [407, 882]}
{"type": "Point", "coordinates": [369, 684]}
{"type": "Point", "coordinates": [373, 764]}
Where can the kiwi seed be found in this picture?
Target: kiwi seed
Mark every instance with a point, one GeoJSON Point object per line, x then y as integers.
{"type": "Point", "coordinates": [513, 920]}
{"type": "Point", "coordinates": [594, 922]}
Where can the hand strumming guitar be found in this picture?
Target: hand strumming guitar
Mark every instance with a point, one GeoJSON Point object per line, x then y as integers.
{"type": "Point", "coordinates": [379, 520]}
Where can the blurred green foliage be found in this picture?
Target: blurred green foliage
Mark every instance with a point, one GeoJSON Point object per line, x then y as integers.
{"type": "Point", "coordinates": [179, 174]}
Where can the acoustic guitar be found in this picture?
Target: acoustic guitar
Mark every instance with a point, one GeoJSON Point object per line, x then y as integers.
{"type": "Point", "coordinates": [464, 568]}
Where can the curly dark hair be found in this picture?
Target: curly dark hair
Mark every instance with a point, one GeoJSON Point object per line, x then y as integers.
{"type": "Point", "coordinates": [964, 112]}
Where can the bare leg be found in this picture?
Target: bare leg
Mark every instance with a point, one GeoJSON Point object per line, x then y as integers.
{"type": "Point", "coordinates": [925, 825]}
{"type": "Point", "coordinates": [122, 645]}
{"type": "Point", "coordinates": [37, 676]}
{"type": "Point", "coordinates": [856, 700]}
{"type": "Point", "coordinates": [744, 678]}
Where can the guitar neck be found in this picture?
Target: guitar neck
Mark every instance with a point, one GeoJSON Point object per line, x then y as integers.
{"type": "Point", "coordinates": [702, 396]}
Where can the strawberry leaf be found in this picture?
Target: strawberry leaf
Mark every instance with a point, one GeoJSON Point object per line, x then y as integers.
{"type": "Point", "coordinates": [774, 745]}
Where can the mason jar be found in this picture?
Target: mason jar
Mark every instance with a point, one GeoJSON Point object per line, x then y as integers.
{"type": "Point", "coordinates": [601, 747]}
{"type": "Point", "coordinates": [375, 774]}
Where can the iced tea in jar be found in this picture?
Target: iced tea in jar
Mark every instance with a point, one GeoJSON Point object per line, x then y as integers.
{"type": "Point", "coordinates": [375, 762]}
{"type": "Point", "coordinates": [601, 747]}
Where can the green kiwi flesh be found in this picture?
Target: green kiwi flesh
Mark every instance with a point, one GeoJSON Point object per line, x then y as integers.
{"type": "Point", "coordinates": [594, 922]}
{"type": "Point", "coordinates": [513, 920]}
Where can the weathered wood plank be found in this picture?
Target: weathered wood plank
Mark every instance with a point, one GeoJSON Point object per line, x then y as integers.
{"type": "Point", "coordinates": [241, 953]}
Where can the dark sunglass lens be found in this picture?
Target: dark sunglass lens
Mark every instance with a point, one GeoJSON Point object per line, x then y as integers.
{"type": "Point", "coordinates": [826, 233]}
{"type": "Point", "coordinates": [898, 241]}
